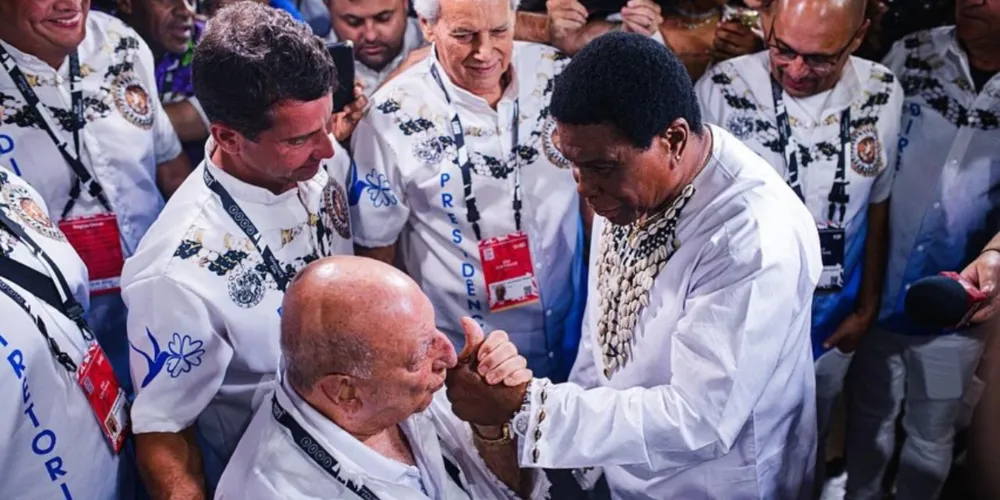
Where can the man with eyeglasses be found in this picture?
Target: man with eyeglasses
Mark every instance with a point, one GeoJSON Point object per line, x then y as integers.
{"type": "Point", "coordinates": [945, 211]}
{"type": "Point", "coordinates": [828, 122]}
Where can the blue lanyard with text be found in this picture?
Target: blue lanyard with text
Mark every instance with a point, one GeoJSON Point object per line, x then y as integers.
{"type": "Point", "coordinates": [838, 192]}
{"type": "Point", "coordinates": [47, 122]}
{"type": "Point", "coordinates": [464, 161]}
{"type": "Point", "coordinates": [241, 219]}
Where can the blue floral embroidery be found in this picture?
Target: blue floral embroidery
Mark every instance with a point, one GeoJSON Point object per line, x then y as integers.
{"type": "Point", "coordinates": [183, 353]}
{"type": "Point", "coordinates": [375, 184]}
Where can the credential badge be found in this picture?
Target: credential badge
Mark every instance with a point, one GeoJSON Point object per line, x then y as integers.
{"type": "Point", "coordinates": [132, 100]}
{"type": "Point", "coordinates": [866, 159]}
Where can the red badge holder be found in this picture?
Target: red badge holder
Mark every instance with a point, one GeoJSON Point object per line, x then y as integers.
{"type": "Point", "coordinates": [508, 271]}
{"type": "Point", "coordinates": [97, 239]}
{"type": "Point", "coordinates": [106, 397]}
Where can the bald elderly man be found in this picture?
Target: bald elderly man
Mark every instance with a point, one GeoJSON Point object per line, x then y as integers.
{"type": "Point", "coordinates": [359, 410]}
{"type": "Point", "coordinates": [829, 123]}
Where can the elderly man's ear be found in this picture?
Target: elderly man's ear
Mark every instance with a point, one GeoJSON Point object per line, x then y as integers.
{"type": "Point", "coordinates": [340, 391]}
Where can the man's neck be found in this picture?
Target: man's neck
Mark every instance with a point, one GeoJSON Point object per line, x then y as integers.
{"type": "Point", "coordinates": [237, 168]}
{"type": "Point", "coordinates": [984, 55]}
{"type": "Point", "coordinates": [491, 96]}
{"type": "Point", "coordinates": [692, 162]}
{"type": "Point", "coordinates": [390, 442]}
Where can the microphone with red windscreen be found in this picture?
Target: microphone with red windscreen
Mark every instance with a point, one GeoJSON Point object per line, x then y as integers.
{"type": "Point", "coordinates": [943, 301]}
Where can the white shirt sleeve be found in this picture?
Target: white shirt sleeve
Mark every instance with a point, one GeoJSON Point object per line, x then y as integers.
{"type": "Point", "coordinates": [890, 118]}
{"type": "Point", "coordinates": [457, 437]}
{"type": "Point", "coordinates": [704, 89]}
{"type": "Point", "coordinates": [178, 359]}
{"type": "Point", "coordinates": [584, 371]}
{"type": "Point", "coordinates": [377, 195]}
{"type": "Point", "coordinates": [724, 350]}
{"type": "Point", "coordinates": [166, 145]}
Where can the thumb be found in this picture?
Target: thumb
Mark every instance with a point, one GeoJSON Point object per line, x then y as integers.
{"type": "Point", "coordinates": [474, 337]}
{"type": "Point", "coordinates": [987, 279]}
{"type": "Point", "coordinates": [834, 338]}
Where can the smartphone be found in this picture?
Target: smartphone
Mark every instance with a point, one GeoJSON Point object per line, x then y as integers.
{"type": "Point", "coordinates": [343, 58]}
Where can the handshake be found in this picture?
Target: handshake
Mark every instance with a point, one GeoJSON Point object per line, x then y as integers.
{"type": "Point", "coordinates": [488, 384]}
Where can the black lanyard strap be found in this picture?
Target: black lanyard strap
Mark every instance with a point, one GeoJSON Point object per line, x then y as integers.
{"type": "Point", "coordinates": [47, 123]}
{"type": "Point", "coordinates": [324, 459]}
{"type": "Point", "coordinates": [838, 196]}
{"type": "Point", "coordinates": [44, 287]}
{"type": "Point", "coordinates": [241, 219]}
{"type": "Point", "coordinates": [60, 356]}
{"type": "Point", "coordinates": [315, 451]}
{"type": "Point", "coordinates": [464, 160]}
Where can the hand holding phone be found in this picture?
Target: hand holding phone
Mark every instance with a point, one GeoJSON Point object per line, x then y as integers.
{"type": "Point", "coordinates": [343, 58]}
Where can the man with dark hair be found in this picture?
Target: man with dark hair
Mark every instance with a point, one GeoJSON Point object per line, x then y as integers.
{"type": "Point", "coordinates": [382, 33]}
{"type": "Point", "coordinates": [204, 290]}
{"type": "Point", "coordinates": [694, 376]}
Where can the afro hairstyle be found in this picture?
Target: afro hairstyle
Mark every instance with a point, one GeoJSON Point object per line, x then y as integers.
{"type": "Point", "coordinates": [629, 81]}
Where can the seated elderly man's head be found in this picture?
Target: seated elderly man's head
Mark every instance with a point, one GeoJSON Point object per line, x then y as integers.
{"type": "Point", "coordinates": [474, 40]}
{"type": "Point", "coordinates": [360, 344]}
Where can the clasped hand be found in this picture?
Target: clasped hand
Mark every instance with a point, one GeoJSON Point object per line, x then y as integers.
{"type": "Point", "coordinates": [488, 384]}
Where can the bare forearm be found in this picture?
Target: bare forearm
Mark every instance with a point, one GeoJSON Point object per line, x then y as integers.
{"type": "Point", "coordinates": [384, 254]}
{"type": "Point", "coordinates": [186, 121]}
{"type": "Point", "coordinates": [502, 461]}
{"type": "Point", "coordinates": [170, 465]}
{"type": "Point", "coordinates": [171, 174]}
{"type": "Point", "coordinates": [590, 31]}
{"type": "Point", "coordinates": [876, 250]}
{"type": "Point", "coordinates": [532, 27]}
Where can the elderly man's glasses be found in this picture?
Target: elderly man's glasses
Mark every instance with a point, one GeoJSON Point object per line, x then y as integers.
{"type": "Point", "coordinates": [820, 64]}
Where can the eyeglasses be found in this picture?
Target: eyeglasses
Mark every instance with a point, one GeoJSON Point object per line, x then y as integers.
{"type": "Point", "coordinates": [821, 64]}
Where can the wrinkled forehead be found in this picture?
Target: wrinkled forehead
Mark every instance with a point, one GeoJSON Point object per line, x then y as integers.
{"type": "Point", "coordinates": [797, 26]}
{"type": "Point", "coordinates": [475, 15]}
{"type": "Point", "coordinates": [587, 144]}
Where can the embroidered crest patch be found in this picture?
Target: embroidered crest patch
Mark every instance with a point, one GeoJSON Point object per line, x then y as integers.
{"type": "Point", "coordinates": [335, 211]}
{"type": "Point", "coordinates": [429, 151]}
{"type": "Point", "coordinates": [866, 159]}
{"type": "Point", "coordinates": [246, 288]}
{"type": "Point", "coordinates": [132, 100]}
{"type": "Point", "coordinates": [740, 126]}
{"type": "Point", "coordinates": [549, 141]}
{"type": "Point", "coordinates": [30, 213]}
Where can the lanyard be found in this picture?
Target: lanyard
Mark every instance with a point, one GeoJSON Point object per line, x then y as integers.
{"type": "Point", "coordinates": [464, 161]}
{"type": "Point", "coordinates": [838, 192]}
{"type": "Point", "coordinates": [315, 451]}
{"type": "Point", "coordinates": [47, 123]}
{"type": "Point", "coordinates": [67, 304]}
{"type": "Point", "coordinates": [243, 220]}
{"type": "Point", "coordinates": [324, 459]}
